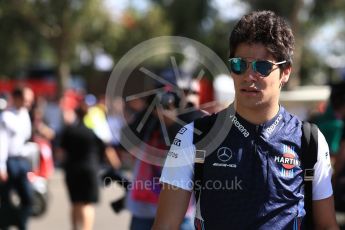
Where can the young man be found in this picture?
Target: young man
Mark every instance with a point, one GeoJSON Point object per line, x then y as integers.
{"type": "Point", "coordinates": [254, 178]}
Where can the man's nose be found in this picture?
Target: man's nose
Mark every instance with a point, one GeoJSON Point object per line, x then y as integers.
{"type": "Point", "coordinates": [250, 74]}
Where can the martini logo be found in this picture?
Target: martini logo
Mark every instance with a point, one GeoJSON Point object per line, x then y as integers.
{"type": "Point", "coordinates": [288, 161]}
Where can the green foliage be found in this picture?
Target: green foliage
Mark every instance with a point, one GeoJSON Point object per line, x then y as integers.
{"type": "Point", "coordinates": [135, 28]}
{"type": "Point", "coordinates": [48, 31]}
{"type": "Point", "coordinates": [324, 10]}
{"type": "Point", "coordinates": [283, 8]}
{"type": "Point", "coordinates": [186, 17]}
{"type": "Point", "coordinates": [217, 38]}
{"type": "Point", "coordinates": [18, 42]}
{"type": "Point", "coordinates": [54, 31]}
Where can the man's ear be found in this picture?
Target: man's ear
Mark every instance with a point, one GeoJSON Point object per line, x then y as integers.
{"type": "Point", "coordinates": [285, 75]}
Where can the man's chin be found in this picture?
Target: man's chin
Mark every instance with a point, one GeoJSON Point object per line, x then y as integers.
{"type": "Point", "coordinates": [255, 105]}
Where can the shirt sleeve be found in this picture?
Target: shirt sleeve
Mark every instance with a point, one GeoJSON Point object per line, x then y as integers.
{"type": "Point", "coordinates": [178, 169]}
{"type": "Point", "coordinates": [3, 148]}
{"type": "Point", "coordinates": [10, 122]}
{"type": "Point", "coordinates": [322, 186]}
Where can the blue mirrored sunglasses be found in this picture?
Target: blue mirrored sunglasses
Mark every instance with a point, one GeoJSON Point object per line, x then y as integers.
{"type": "Point", "coordinates": [263, 67]}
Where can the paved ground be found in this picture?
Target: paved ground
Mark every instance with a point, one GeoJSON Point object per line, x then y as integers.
{"type": "Point", "coordinates": [57, 216]}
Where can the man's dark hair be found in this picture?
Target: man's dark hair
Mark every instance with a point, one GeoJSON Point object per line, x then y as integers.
{"type": "Point", "coordinates": [81, 111]}
{"type": "Point", "coordinates": [18, 92]}
{"type": "Point", "coordinates": [337, 97]}
{"type": "Point", "coordinates": [267, 28]}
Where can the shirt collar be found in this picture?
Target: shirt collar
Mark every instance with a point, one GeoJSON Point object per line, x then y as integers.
{"type": "Point", "coordinates": [266, 129]}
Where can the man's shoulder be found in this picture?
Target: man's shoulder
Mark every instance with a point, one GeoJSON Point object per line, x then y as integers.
{"type": "Point", "coordinates": [211, 116]}
{"type": "Point", "coordinates": [209, 119]}
{"type": "Point", "coordinates": [8, 116]}
{"type": "Point", "coordinates": [290, 118]}
{"type": "Point", "coordinates": [192, 115]}
{"type": "Point", "coordinates": [9, 120]}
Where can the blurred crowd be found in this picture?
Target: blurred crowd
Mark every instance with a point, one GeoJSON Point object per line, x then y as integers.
{"type": "Point", "coordinates": [38, 134]}
{"type": "Point", "coordinates": [82, 135]}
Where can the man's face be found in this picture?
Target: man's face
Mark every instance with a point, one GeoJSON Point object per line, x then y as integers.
{"type": "Point", "coordinates": [254, 91]}
{"type": "Point", "coordinates": [28, 98]}
{"type": "Point", "coordinates": [18, 102]}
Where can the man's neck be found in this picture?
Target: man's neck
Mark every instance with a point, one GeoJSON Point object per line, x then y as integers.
{"type": "Point", "coordinates": [259, 114]}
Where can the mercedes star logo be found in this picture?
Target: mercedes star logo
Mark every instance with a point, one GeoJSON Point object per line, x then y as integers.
{"type": "Point", "coordinates": [224, 154]}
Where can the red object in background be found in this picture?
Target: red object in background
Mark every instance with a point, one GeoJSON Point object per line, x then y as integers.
{"type": "Point", "coordinates": [70, 100]}
{"type": "Point", "coordinates": [128, 20]}
{"type": "Point", "coordinates": [206, 91]}
{"type": "Point", "coordinates": [146, 187]}
{"type": "Point", "coordinates": [40, 87]}
{"type": "Point", "coordinates": [46, 163]}
{"type": "Point", "coordinates": [322, 107]}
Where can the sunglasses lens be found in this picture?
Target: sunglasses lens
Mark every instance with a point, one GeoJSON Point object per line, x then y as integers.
{"type": "Point", "coordinates": [237, 65]}
{"type": "Point", "coordinates": [263, 67]}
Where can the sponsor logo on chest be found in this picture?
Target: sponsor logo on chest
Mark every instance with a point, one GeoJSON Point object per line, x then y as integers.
{"type": "Point", "coordinates": [271, 128]}
{"type": "Point", "coordinates": [239, 126]}
{"type": "Point", "coordinates": [288, 161]}
{"type": "Point", "coordinates": [224, 157]}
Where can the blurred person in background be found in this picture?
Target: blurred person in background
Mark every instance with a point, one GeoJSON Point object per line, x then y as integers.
{"type": "Point", "coordinates": [339, 176]}
{"type": "Point", "coordinates": [331, 122]}
{"type": "Point", "coordinates": [96, 120]}
{"type": "Point", "coordinates": [188, 105]}
{"type": "Point", "coordinates": [116, 120]}
{"type": "Point", "coordinates": [83, 150]}
{"type": "Point", "coordinates": [4, 140]}
{"type": "Point", "coordinates": [29, 98]}
{"type": "Point", "coordinates": [40, 126]}
{"type": "Point", "coordinates": [52, 115]}
{"type": "Point", "coordinates": [175, 109]}
{"type": "Point", "coordinates": [340, 163]}
{"type": "Point", "coordinates": [14, 165]}
{"type": "Point", "coordinates": [67, 104]}
{"type": "Point", "coordinates": [43, 135]}
{"type": "Point", "coordinates": [142, 200]}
